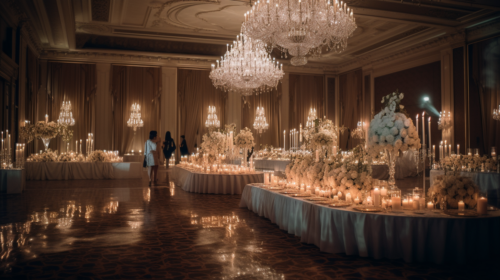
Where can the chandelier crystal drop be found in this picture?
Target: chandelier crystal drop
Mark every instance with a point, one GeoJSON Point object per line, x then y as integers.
{"type": "Point", "coordinates": [311, 118]}
{"type": "Point", "coordinates": [260, 124]}
{"type": "Point", "coordinates": [135, 120]}
{"type": "Point", "coordinates": [300, 27]}
{"type": "Point", "coordinates": [66, 116]}
{"type": "Point", "coordinates": [246, 68]}
{"type": "Point", "coordinates": [212, 121]}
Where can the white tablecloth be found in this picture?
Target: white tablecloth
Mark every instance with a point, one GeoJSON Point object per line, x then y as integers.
{"type": "Point", "coordinates": [406, 166]}
{"type": "Point", "coordinates": [488, 183]}
{"type": "Point", "coordinates": [271, 164]}
{"type": "Point", "coordinates": [433, 237]}
{"type": "Point", "coordinates": [213, 183]}
{"type": "Point", "coordinates": [82, 170]}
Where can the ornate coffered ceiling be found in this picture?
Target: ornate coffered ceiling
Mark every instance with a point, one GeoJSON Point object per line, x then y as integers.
{"type": "Point", "coordinates": [204, 27]}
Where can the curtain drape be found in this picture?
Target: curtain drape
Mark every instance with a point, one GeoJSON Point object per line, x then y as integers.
{"type": "Point", "coordinates": [271, 102]}
{"type": "Point", "coordinates": [485, 73]}
{"type": "Point", "coordinates": [76, 83]}
{"type": "Point", "coordinates": [195, 93]}
{"type": "Point", "coordinates": [131, 85]}
{"type": "Point", "coordinates": [350, 98]}
{"type": "Point", "coordinates": [32, 85]}
{"type": "Point", "coordinates": [306, 92]}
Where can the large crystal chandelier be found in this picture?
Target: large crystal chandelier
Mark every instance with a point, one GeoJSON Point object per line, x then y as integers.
{"type": "Point", "coordinates": [246, 68]}
{"type": "Point", "coordinates": [212, 122]}
{"type": "Point", "coordinates": [300, 27]}
{"type": "Point", "coordinates": [66, 116]}
{"type": "Point", "coordinates": [260, 124]}
{"type": "Point", "coordinates": [311, 118]}
{"type": "Point", "coordinates": [135, 120]}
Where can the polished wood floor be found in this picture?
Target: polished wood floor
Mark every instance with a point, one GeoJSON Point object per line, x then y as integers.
{"type": "Point", "coordinates": [113, 229]}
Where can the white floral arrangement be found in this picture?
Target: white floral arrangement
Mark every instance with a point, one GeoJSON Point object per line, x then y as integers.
{"type": "Point", "coordinates": [323, 138]}
{"type": "Point", "coordinates": [213, 143]}
{"type": "Point", "coordinates": [65, 157]}
{"type": "Point", "coordinates": [244, 139]}
{"type": "Point", "coordinates": [391, 129]}
{"type": "Point", "coordinates": [46, 156]}
{"type": "Point", "coordinates": [27, 132]}
{"type": "Point", "coordinates": [458, 162]}
{"type": "Point", "coordinates": [323, 134]}
{"type": "Point", "coordinates": [46, 129]}
{"type": "Point", "coordinates": [454, 189]}
{"type": "Point", "coordinates": [65, 133]}
{"type": "Point", "coordinates": [79, 158]}
{"type": "Point", "coordinates": [97, 156]}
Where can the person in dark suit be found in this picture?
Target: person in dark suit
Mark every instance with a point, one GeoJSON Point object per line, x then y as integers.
{"type": "Point", "coordinates": [168, 147]}
{"type": "Point", "coordinates": [184, 148]}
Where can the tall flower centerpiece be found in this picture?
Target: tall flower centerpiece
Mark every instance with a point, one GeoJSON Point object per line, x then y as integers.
{"type": "Point", "coordinates": [46, 131]}
{"type": "Point", "coordinates": [244, 140]}
{"type": "Point", "coordinates": [213, 144]}
{"type": "Point", "coordinates": [392, 131]}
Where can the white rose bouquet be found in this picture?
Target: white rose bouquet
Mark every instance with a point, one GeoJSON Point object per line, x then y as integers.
{"type": "Point", "coordinates": [46, 156]}
{"type": "Point", "coordinates": [213, 143]}
{"type": "Point", "coordinates": [323, 138]}
{"type": "Point", "coordinates": [391, 129]}
{"type": "Point", "coordinates": [324, 134]}
{"type": "Point", "coordinates": [244, 140]}
{"type": "Point", "coordinates": [97, 156]}
{"type": "Point", "coordinates": [66, 157]}
{"type": "Point", "coordinates": [46, 130]}
{"type": "Point", "coordinates": [454, 189]}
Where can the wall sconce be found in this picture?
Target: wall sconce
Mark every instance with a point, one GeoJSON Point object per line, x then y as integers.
{"type": "Point", "coordinates": [444, 121]}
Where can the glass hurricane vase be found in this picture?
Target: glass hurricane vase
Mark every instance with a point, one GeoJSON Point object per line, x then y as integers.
{"type": "Point", "coordinates": [46, 142]}
{"type": "Point", "coordinates": [391, 161]}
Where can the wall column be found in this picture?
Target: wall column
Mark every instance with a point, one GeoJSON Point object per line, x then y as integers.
{"type": "Point", "coordinates": [447, 90]}
{"type": "Point", "coordinates": [169, 113]}
{"type": "Point", "coordinates": [103, 108]}
{"type": "Point", "coordinates": [285, 107]}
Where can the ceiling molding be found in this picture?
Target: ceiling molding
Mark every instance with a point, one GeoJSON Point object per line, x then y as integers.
{"type": "Point", "coordinates": [14, 13]}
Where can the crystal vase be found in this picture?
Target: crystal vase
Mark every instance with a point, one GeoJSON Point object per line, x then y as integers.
{"type": "Point", "coordinates": [46, 142]}
{"type": "Point", "coordinates": [391, 161]}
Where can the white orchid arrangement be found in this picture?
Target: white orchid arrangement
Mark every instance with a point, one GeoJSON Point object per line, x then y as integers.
{"type": "Point", "coordinates": [391, 129]}
{"type": "Point", "coordinates": [454, 189]}
{"type": "Point", "coordinates": [213, 143]}
{"type": "Point", "coordinates": [97, 156]}
{"type": "Point", "coordinates": [46, 156]}
{"type": "Point", "coordinates": [244, 139]}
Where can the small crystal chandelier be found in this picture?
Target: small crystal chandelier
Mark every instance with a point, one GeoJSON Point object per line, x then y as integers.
{"type": "Point", "coordinates": [260, 124]}
{"type": "Point", "coordinates": [301, 27]}
{"type": "Point", "coordinates": [212, 122]}
{"type": "Point", "coordinates": [135, 120]}
{"type": "Point", "coordinates": [246, 68]}
{"type": "Point", "coordinates": [444, 121]}
{"type": "Point", "coordinates": [66, 116]}
{"type": "Point", "coordinates": [359, 132]}
{"type": "Point", "coordinates": [311, 118]}
{"type": "Point", "coordinates": [496, 114]}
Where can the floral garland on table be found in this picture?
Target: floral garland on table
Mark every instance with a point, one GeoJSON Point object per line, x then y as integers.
{"type": "Point", "coordinates": [213, 143]}
{"type": "Point", "coordinates": [457, 162]}
{"type": "Point", "coordinates": [79, 158]}
{"type": "Point", "coordinates": [46, 156]}
{"type": "Point", "coordinates": [454, 189]}
{"type": "Point", "coordinates": [244, 139]}
{"type": "Point", "coordinates": [97, 156]}
{"type": "Point", "coordinates": [66, 157]}
{"type": "Point", "coordinates": [391, 129]}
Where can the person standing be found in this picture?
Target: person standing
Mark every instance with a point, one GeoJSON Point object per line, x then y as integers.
{"type": "Point", "coordinates": [152, 156]}
{"type": "Point", "coordinates": [168, 147]}
{"type": "Point", "coordinates": [184, 148]}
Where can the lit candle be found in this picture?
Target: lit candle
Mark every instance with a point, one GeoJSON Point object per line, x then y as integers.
{"type": "Point", "coordinates": [46, 118]}
{"type": "Point", "coordinates": [369, 200]}
{"type": "Point", "coordinates": [430, 205]}
{"type": "Point", "coordinates": [356, 200]}
{"type": "Point", "coordinates": [348, 197]}
{"type": "Point", "coordinates": [405, 203]}
{"type": "Point", "coordinates": [335, 198]}
{"type": "Point", "coordinates": [416, 203]}
{"type": "Point", "coordinates": [461, 206]}
{"type": "Point", "coordinates": [271, 181]}
{"type": "Point", "coordinates": [423, 129]}
{"type": "Point", "coordinates": [339, 194]}
{"type": "Point", "coordinates": [482, 205]}
{"type": "Point", "coordinates": [376, 197]}
{"type": "Point", "coordinates": [300, 138]}
{"type": "Point", "coordinates": [458, 149]}
{"type": "Point", "coordinates": [384, 203]}
{"type": "Point", "coordinates": [396, 203]}
{"type": "Point", "coordinates": [430, 133]}
{"type": "Point", "coordinates": [383, 191]}
{"type": "Point", "coordinates": [416, 125]}
{"type": "Point", "coordinates": [266, 178]}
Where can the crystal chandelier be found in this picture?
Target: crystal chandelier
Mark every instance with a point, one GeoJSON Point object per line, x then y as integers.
{"type": "Point", "coordinates": [212, 121]}
{"type": "Point", "coordinates": [300, 27]}
{"type": "Point", "coordinates": [135, 120]}
{"type": "Point", "coordinates": [66, 116]}
{"type": "Point", "coordinates": [246, 68]}
{"type": "Point", "coordinates": [310, 119]}
{"type": "Point", "coordinates": [496, 114]}
{"type": "Point", "coordinates": [444, 121]}
{"type": "Point", "coordinates": [260, 124]}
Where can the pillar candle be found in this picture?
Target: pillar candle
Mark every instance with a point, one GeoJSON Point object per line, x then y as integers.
{"type": "Point", "coordinates": [430, 205]}
{"type": "Point", "coordinates": [458, 149]}
{"type": "Point", "coordinates": [348, 197]}
{"type": "Point", "coordinates": [396, 203]}
{"type": "Point", "coordinates": [356, 200]}
{"type": "Point", "coordinates": [335, 198]}
{"type": "Point", "coordinates": [271, 180]}
{"type": "Point", "coordinates": [461, 206]}
{"type": "Point", "coordinates": [482, 205]}
{"type": "Point", "coordinates": [284, 140]}
{"type": "Point", "coordinates": [369, 200]}
{"type": "Point", "coordinates": [416, 203]}
{"type": "Point", "coordinates": [46, 118]}
{"type": "Point", "coordinates": [339, 194]}
{"type": "Point", "coordinates": [384, 203]}
{"type": "Point", "coordinates": [405, 203]}
{"type": "Point", "coordinates": [266, 178]}
{"type": "Point", "coordinates": [376, 197]}
{"type": "Point", "coordinates": [416, 125]}
{"type": "Point", "coordinates": [383, 191]}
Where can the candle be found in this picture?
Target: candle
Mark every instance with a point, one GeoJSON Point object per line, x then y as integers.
{"type": "Point", "coordinates": [317, 155]}
{"type": "Point", "coordinates": [376, 197]}
{"type": "Point", "coordinates": [339, 194]}
{"type": "Point", "coordinates": [300, 138]}
{"type": "Point", "coordinates": [416, 203]}
{"type": "Point", "coordinates": [284, 140]}
{"type": "Point", "coordinates": [430, 132]}
{"type": "Point", "coordinates": [316, 190]}
{"type": "Point", "coordinates": [423, 129]}
{"type": "Point", "coordinates": [434, 151]}
{"type": "Point", "coordinates": [482, 205]}
{"type": "Point", "coordinates": [383, 191]}
{"type": "Point", "coordinates": [46, 118]}
{"type": "Point", "coordinates": [335, 198]}
{"type": "Point", "coordinates": [348, 197]}
{"type": "Point", "coordinates": [266, 178]}
{"type": "Point", "coordinates": [396, 203]}
{"type": "Point", "coordinates": [416, 125]}
{"type": "Point", "coordinates": [369, 200]}
{"type": "Point", "coordinates": [430, 205]}
{"type": "Point", "coordinates": [405, 203]}
{"type": "Point", "coordinates": [461, 206]}
{"type": "Point", "coordinates": [384, 203]}
{"type": "Point", "coordinates": [458, 149]}
{"type": "Point", "coordinates": [356, 200]}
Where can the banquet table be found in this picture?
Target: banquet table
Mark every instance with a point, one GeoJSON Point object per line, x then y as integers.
{"type": "Point", "coordinates": [488, 183]}
{"type": "Point", "coordinates": [82, 170]}
{"type": "Point", "coordinates": [194, 181]}
{"type": "Point", "coordinates": [406, 166]}
{"type": "Point", "coordinates": [429, 237]}
{"type": "Point", "coordinates": [271, 164]}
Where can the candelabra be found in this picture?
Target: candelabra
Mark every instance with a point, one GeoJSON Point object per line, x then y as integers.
{"type": "Point", "coordinates": [496, 114]}
{"type": "Point", "coordinates": [359, 132]}
{"type": "Point", "coordinates": [260, 124]}
{"type": "Point", "coordinates": [311, 118]}
{"type": "Point", "coordinates": [212, 121]}
{"type": "Point", "coordinates": [66, 116]}
{"type": "Point", "coordinates": [444, 120]}
{"type": "Point", "coordinates": [135, 120]}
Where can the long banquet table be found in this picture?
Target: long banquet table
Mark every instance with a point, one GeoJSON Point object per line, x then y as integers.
{"type": "Point", "coordinates": [83, 170]}
{"type": "Point", "coordinates": [192, 181]}
{"type": "Point", "coordinates": [431, 237]}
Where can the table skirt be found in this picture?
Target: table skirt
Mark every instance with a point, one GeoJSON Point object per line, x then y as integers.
{"type": "Point", "coordinates": [426, 238]}
{"type": "Point", "coordinates": [213, 183]}
{"type": "Point", "coordinates": [82, 170]}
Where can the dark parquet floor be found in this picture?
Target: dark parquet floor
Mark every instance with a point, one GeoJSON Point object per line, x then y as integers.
{"type": "Point", "coordinates": [113, 229]}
